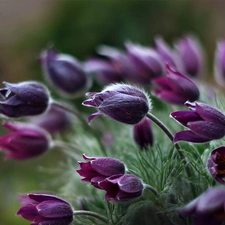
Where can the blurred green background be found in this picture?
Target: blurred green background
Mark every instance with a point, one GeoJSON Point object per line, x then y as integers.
{"type": "Point", "coordinates": [77, 27]}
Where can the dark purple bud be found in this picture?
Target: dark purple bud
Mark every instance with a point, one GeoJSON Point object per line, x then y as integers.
{"type": "Point", "coordinates": [120, 188]}
{"type": "Point", "coordinates": [25, 141]}
{"type": "Point", "coordinates": [207, 209]}
{"type": "Point", "coordinates": [54, 120]}
{"type": "Point", "coordinates": [64, 72]}
{"type": "Point", "coordinates": [104, 71]}
{"type": "Point", "coordinates": [146, 61]}
{"type": "Point", "coordinates": [165, 52]}
{"type": "Point", "coordinates": [142, 133]}
{"type": "Point", "coordinates": [219, 63]}
{"type": "Point", "coordinates": [216, 164]}
{"type": "Point", "coordinates": [27, 98]}
{"type": "Point", "coordinates": [175, 88]}
{"type": "Point", "coordinates": [121, 102]}
{"type": "Point", "coordinates": [205, 123]}
{"type": "Point", "coordinates": [190, 56]}
{"type": "Point", "coordinates": [99, 168]}
{"type": "Point", "coordinates": [45, 209]}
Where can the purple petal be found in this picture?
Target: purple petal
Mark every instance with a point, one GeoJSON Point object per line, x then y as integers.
{"type": "Point", "coordinates": [93, 115]}
{"type": "Point", "coordinates": [189, 136]}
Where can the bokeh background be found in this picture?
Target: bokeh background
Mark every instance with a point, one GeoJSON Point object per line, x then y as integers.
{"type": "Point", "coordinates": [77, 27]}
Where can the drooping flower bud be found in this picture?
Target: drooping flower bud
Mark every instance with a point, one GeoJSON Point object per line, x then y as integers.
{"type": "Point", "coordinates": [205, 123]}
{"type": "Point", "coordinates": [190, 56]}
{"type": "Point", "coordinates": [27, 98]}
{"type": "Point", "coordinates": [64, 72]}
{"type": "Point", "coordinates": [216, 164]}
{"type": "Point", "coordinates": [175, 88]}
{"type": "Point", "coordinates": [45, 209]}
{"type": "Point", "coordinates": [25, 141]}
{"type": "Point", "coordinates": [147, 62]}
{"type": "Point", "coordinates": [142, 133]}
{"type": "Point", "coordinates": [219, 63]}
{"type": "Point", "coordinates": [207, 209]}
{"type": "Point", "coordinates": [99, 168]}
{"type": "Point", "coordinates": [121, 102]}
{"type": "Point", "coordinates": [120, 188]}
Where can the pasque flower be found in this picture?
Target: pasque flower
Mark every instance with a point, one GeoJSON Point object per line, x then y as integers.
{"type": "Point", "coordinates": [146, 61]}
{"type": "Point", "coordinates": [175, 87]}
{"type": "Point", "coordinates": [122, 187]}
{"type": "Point", "coordinates": [219, 63]}
{"type": "Point", "coordinates": [27, 98]}
{"type": "Point", "coordinates": [64, 72]}
{"type": "Point", "coordinates": [142, 133]}
{"type": "Point", "coordinates": [216, 164]}
{"type": "Point", "coordinates": [121, 102]}
{"type": "Point", "coordinates": [45, 209]}
{"type": "Point", "coordinates": [207, 209]}
{"type": "Point", "coordinates": [99, 168]}
{"type": "Point", "coordinates": [189, 53]}
{"type": "Point", "coordinates": [205, 123]}
{"type": "Point", "coordinates": [25, 141]}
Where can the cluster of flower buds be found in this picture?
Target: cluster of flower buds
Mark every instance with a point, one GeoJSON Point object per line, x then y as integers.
{"type": "Point", "coordinates": [109, 174]}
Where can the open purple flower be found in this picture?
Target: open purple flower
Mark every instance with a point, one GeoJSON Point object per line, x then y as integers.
{"type": "Point", "coordinates": [27, 98]}
{"type": "Point", "coordinates": [216, 164]}
{"type": "Point", "coordinates": [64, 72]}
{"type": "Point", "coordinates": [189, 52]}
{"type": "Point", "coordinates": [207, 209]}
{"type": "Point", "coordinates": [121, 102]}
{"type": "Point", "coordinates": [142, 133]}
{"type": "Point", "coordinates": [45, 209]}
{"type": "Point", "coordinates": [121, 187]}
{"type": "Point", "coordinates": [205, 123]}
{"type": "Point", "coordinates": [175, 88]}
{"type": "Point", "coordinates": [25, 141]}
{"type": "Point", "coordinates": [219, 63]}
{"type": "Point", "coordinates": [99, 168]}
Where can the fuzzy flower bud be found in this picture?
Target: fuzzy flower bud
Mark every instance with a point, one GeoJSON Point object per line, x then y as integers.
{"type": "Point", "coordinates": [189, 53]}
{"type": "Point", "coordinates": [216, 164]}
{"type": "Point", "coordinates": [175, 88]}
{"type": "Point", "coordinates": [120, 188]}
{"type": "Point", "coordinates": [121, 102]}
{"type": "Point", "coordinates": [142, 133]}
{"type": "Point", "coordinates": [64, 72]}
{"type": "Point", "coordinates": [25, 141]}
{"type": "Point", "coordinates": [27, 98]}
{"type": "Point", "coordinates": [45, 209]}
{"type": "Point", "coordinates": [99, 168]}
{"type": "Point", "coordinates": [205, 123]}
{"type": "Point", "coordinates": [207, 209]}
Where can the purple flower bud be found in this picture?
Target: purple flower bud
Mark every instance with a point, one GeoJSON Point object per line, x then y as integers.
{"type": "Point", "coordinates": [25, 141]}
{"type": "Point", "coordinates": [166, 54]}
{"type": "Point", "coordinates": [45, 209]}
{"type": "Point", "coordinates": [216, 164]}
{"type": "Point", "coordinates": [205, 123]}
{"type": "Point", "coordinates": [28, 98]}
{"type": "Point", "coordinates": [142, 133]}
{"type": "Point", "coordinates": [121, 102]}
{"type": "Point", "coordinates": [175, 88]}
{"type": "Point", "coordinates": [99, 168]}
{"type": "Point", "coordinates": [104, 71]}
{"type": "Point", "coordinates": [146, 61]}
{"type": "Point", "coordinates": [219, 63]}
{"type": "Point", "coordinates": [54, 120]}
{"type": "Point", "coordinates": [64, 72]}
{"type": "Point", "coordinates": [207, 209]}
{"type": "Point", "coordinates": [121, 187]}
{"type": "Point", "coordinates": [190, 56]}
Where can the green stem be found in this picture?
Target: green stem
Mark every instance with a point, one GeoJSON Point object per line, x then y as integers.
{"type": "Point", "coordinates": [91, 214]}
{"type": "Point", "coordinates": [152, 189]}
{"type": "Point", "coordinates": [75, 112]}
